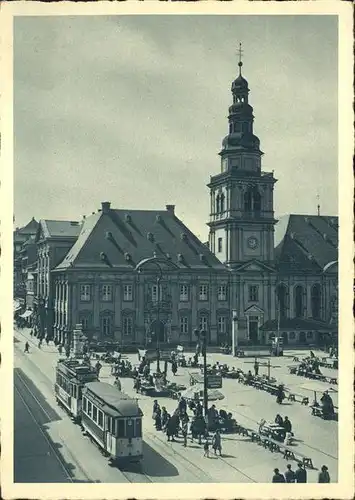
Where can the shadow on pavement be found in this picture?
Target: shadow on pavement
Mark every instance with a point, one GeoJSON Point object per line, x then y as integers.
{"type": "Point", "coordinates": [155, 465]}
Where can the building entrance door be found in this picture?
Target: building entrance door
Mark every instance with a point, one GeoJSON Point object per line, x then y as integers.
{"type": "Point", "coordinates": [302, 337]}
{"type": "Point", "coordinates": [158, 331]}
{"type": "Point", "coordinates": [253, 329]}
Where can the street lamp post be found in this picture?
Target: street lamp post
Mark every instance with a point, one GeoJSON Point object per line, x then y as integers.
{"type": "Point", "coordinates": [157, 261]}
{"type": "Point", "coordinates": [201, 336]}
{"type": "Point", "coordinates": [234, 332]}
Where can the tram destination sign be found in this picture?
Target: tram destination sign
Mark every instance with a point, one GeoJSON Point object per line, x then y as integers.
{"type": "Point", "coordinates": [214, 381]}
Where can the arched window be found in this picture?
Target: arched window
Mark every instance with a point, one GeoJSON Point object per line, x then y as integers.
{"type": "Point", "coordinates": [222, 202]}
{"type": "Point", "coordinates": [282, 300]}
{"type": "Point", "coordinates": [252, 200]}
{"type": "Point", "coordinates": [256, 200]}
{"type": "Point", "coordinates": [298, 301]}
{"type": "Point", "coordinates": [248, 201]}
{"type": "Point", "coordinates": [316, 301]}
{"type": "Point", "coordinates": [218, 207]}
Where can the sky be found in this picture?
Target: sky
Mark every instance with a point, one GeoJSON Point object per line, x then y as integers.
{"type": "Point", "coordinates": [133, 110]}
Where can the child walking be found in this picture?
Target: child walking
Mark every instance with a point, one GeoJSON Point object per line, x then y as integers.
{"type": "Point", "coordinates": [206, 447]}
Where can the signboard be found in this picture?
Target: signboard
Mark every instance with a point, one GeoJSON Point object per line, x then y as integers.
{"type": "Point", "coordinates": [151, 355]}
{"type": "Point", "coordinates": [165, 355]}
{"type": "Point", "coordinates": [214, 381]}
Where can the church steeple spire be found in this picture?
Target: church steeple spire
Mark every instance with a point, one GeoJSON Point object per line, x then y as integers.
{"type": "Point", "coordinates": [240, 63]}
{"type": "Point", "coordinates": [241, 139]}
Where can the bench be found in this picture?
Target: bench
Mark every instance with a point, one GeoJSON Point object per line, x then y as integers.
{"type": "Point", "coordinates": [288, 453]}
{"type": "Point", "coordinates": [332, 380]}
{"type": "Point", "coordinates": [291, 397]}
{"type": "Point", "coordinates": [305, 401]}
{"type": "Point", "coordinates": [317, 411]}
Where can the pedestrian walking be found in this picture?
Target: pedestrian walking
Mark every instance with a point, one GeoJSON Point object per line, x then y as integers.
{"type": "Point", "coordinates": [174, 367]}
{"type": "Point", "coordinates": [47, 340]}
{"type": "Point", "coordinates": [31, 332]}
{"type": "Point", "coordinates": [98, 367]}
{"type": "Point", "coordinates": [27, 347]}
{"type": "Point", "coordinates": [280, 394]}
{"type": "Point", "coordinates": [40, 344]}
{"type": "Point", "coordinates": [216, 443]}
{"type": "Point", "coordinates": [206, 448]}
{"type": "Point", "coordinates": [301, 474]}
{"type": "Point", "coordinates": [60, 349]}
{"type": "Point", "coordinates": [277, 477]}
{"type": "Point", "coordinates": [290, 474]}
{"type": "Point", "coordinates": [323, 476]}
{"type": "Point", "coordinates": [256, 367]}
{"type": "Point", "coordinates": [184, 432]}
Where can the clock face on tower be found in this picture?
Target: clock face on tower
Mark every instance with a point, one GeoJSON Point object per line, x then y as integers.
{"type": "Point", "coordinates": [252, 242]}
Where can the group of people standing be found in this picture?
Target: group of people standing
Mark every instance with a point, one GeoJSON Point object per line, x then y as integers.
{"type": "Point", "coordinates": [179, 422]}
{"type": "Point", "coordinates": [299, 475]}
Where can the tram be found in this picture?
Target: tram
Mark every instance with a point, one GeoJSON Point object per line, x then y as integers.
{"type": "Point", "coordinates": [71, 375]}
{"type": "Point", "coordinates": [113, 420]}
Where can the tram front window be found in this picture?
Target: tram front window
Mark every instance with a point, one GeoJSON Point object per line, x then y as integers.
{"type": "Point", "coordinates": [120, 428]}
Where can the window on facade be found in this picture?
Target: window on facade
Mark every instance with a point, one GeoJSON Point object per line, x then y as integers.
{"type": "Point", "coordinates": [281, 298]}
{"type": "Point", "coordinates": [203, 292]}
{"type": "Point", "coordinates": [106, 293]}
{"type": "Point", "coordinates": [127, 292]}
{"type": "Point", "coordinates": [85, 405]}
{"type": "Point", "coordinates": [85, 293]}
{"type": "Point", "coordinates": [222, 207]}
{"type": "Point", "coordinates": [292, 335]}
{"type": "Point", "coordinates": [85, 322]}
{"type": "Point", "coordinates": [253, 293]}
{"type": "Point", "coordinates": [106, 325]}
{"type": "Point", "coordinates": [298, 301]}
{"type": "Point", "coordinates": [89, 408]}
{"type": "Point", "coordinates": [203, 323]}
{"type": "Point", "coordinates": [184, 293]}
{"type": "Point", "coordinates": [138, 427]}
{"type": "Point", "coordinates": [316, 301]}
{"type": "Point", "coordinates": [222, 323]}
{"type": "Point", "coordinates": [94, 413]}
{"type": "Point", "coordinates": [252, 200]}
{"type": "Point", "coordinates": [220, 244]}
{"type": "Point", "coordinates": [222, 292]}
{"type": "Point", "coordinates": [127, 326]}
{"type": "Point", "coordinates": [309, 335]}
{"type": "Point", "coordinates": [218, 205]}
{"type": "Point", "coordinates": [100, 418]}
{"type": "Point", "coordinates": [184, 325]}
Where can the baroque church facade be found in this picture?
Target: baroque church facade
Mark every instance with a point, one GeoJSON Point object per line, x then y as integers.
{"type": "Point", "coordinates": [278, 277]}
{"type": "Point", "coordinates": [289, 289]}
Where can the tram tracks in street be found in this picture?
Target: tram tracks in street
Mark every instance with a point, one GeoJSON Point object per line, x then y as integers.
{"type": "Point", "coordinates": [21, 394]}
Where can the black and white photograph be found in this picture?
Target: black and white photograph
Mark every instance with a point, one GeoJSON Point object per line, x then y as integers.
{"type": "Point", "coordinates": [178, 289]}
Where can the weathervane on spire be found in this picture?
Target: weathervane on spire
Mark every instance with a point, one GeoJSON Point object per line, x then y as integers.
{"type": "Point", "coordinates": [240, 53]}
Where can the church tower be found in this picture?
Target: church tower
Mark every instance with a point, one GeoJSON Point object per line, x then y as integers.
{"type": "Point", "coordinates": [242, 214]}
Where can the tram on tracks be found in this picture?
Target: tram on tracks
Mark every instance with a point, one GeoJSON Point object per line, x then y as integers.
{"type": "Point", "coordinates": [111, 418]}
{"type": "Point", "coordinates": [114, 420]}
{"type": "Point", "coordinates": [71, 375]}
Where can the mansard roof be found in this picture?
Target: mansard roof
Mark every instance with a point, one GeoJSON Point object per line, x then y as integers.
{"type": "Point", "coordinates": [308, 243]}
{"type": "Point", "coordinates": [58, 229]}
{"type": "Point", "coordinates": [29, 228]}
{"type": "Point", "coordinates": [122, 238]}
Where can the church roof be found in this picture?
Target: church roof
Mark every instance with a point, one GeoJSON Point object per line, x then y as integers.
{"type": "Point", "coordinates": [306, 243]}
{"type": "Point", "coordinates": [126, 237]}
{"type": "Point", "coordinates": [59, 228]}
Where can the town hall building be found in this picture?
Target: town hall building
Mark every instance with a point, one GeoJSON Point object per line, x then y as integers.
{"type": "Point", "coordinates": [140, 276]}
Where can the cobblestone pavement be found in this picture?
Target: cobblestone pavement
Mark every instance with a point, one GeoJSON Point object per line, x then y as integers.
{"type": "Point", "coordinates": [242, 460]}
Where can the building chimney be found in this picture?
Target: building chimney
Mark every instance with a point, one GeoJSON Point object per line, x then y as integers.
{"type": "Point", "coordinates": [170, 208]}
{"type": "Point", "coordinates": [105, 207]}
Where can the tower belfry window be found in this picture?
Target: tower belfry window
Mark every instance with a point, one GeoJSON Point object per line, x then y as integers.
{"type": "Point", "coordinates": [252, 200]}
{"type": "Point", "coordinates": [222, 203]}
